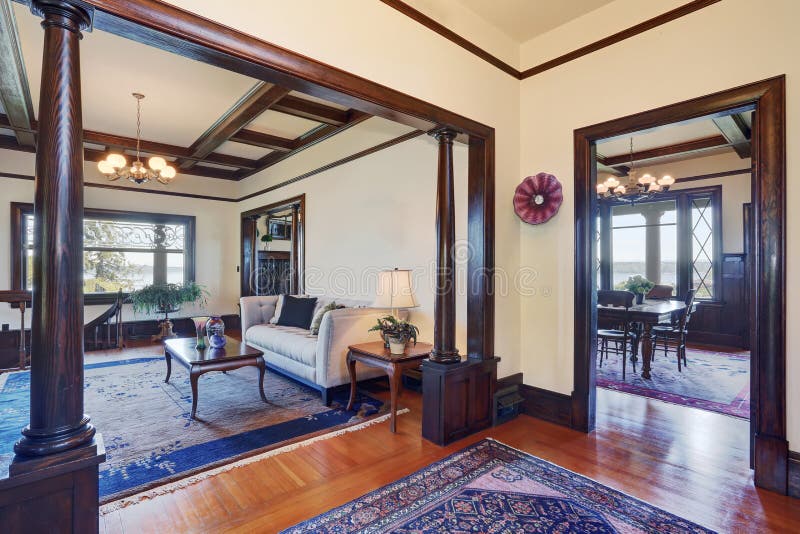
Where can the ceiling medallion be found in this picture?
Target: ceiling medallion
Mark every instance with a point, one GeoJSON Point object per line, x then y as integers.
{"type": "Point", "coordinates": [115, 167]}
{"type": "Point", "coordinates": [638, 189]}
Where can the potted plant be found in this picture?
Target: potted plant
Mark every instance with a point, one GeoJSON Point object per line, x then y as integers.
{"type": "Point", "coordinates": [639, 286]}
{"type": "Point", "coordinates": [266, 239]}
{"type": "Point", "coordinates": [166, 299]}
{"type": "Point", "coordinates": [396, 333]}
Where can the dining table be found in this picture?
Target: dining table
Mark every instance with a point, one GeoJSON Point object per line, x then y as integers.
{"type": "Point", "coordinates": [651, 312]}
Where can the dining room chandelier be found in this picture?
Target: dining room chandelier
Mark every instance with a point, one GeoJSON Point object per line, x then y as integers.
{"type": "Point", "coordinates": [638, 188]}
{"type": "Point", "coordinates": [115, 166]}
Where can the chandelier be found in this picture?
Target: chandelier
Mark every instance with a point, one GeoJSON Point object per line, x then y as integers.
{"type": "Point", "coordinates": [637, 189]}
{"type": "Point", "coordinates": [115, 166]}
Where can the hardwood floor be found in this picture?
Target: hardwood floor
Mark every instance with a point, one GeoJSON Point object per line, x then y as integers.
{"type": "Point", "coordinates": [689, 462]}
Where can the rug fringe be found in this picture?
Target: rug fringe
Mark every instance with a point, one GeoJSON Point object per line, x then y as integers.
{"type": "Point", "coordinates": [188, 481]}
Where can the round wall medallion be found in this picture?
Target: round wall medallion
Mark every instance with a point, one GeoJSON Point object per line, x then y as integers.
{"type": "Point", "coordinates": [538, 198]}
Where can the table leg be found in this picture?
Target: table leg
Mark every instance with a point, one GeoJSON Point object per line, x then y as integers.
{"type": "Point", "coordinates": [262, 367]}
{"type": "Point", "coordinates": [647, 351]}
{"type": "Point", "coordinates": [351, 368]}
{"type": "Point", "coordinates": [194, 375]}
{"type": "Point", "coordinates": [395, 387]}
{"type": "Point", "coordinates": [169, 365]}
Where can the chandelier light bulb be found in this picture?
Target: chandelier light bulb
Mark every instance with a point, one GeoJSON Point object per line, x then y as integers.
{"type": "Point", "coordinates": [654, 187]}
{"type": "Point", "coordinates": [105, 167]}
{"type": "Point", "coordinates": [611, 182]}
{"type": "Point", "coordinates": [646, 179]}
{"type": "Point", "coordinates": [168, 172]}
{"type": "Point", "coordinates": [602, 189]}
{"type": "Point", "coordinates": [116, 160]}
{"type": "Point", "coordinates": [157, 163]}
{"type": "Point", "coordinates": [620, 190]}
{"type": "Point", "coordinates": [666, 180]}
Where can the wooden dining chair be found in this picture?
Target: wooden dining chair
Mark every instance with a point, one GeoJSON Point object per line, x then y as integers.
{"type": "Point", "coordinates": [660, 292]}
{"type": "Point", "coordinates": [623, 334]}
{"type": "Point", "coordinates": [673, 337]}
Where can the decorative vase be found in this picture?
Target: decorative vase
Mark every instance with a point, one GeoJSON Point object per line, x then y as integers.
{"type": "Point", "coordinates": [199, 325]}
{"type": "Point", "coordinates": [396, 346]}
{"type": "Point", "coordinates": [639, 298]}
{"type": "Point", "coordinates": [215, 330]}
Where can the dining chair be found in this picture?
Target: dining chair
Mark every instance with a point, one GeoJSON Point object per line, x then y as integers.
{"type": "Point", "coordinates": [623, 334]}
{"type": "Point", "coordinates": [660, 292]}
{"type": "Point", "coordinates": [674, 336]}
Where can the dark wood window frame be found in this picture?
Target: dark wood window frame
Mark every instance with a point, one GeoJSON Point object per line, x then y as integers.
{"type": "Point", "coordinates": [685, 255]}
{"type": "Point", "coordinates": [19, 210]}
{"type": "Point", "coordinates": [767, 263]}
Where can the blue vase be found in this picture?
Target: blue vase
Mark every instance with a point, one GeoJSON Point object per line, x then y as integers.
{"type": "Point", "coordinates": [215, 330]}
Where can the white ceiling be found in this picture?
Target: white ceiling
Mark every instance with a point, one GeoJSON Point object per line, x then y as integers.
{"type": "Point", "coordinates": [525, 19]}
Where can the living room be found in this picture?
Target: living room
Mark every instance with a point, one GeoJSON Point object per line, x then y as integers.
{"type": "Point", "coordinates": [514, 297]}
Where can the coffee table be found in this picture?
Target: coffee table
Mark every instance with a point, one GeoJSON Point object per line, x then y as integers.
{"type": "Point", "coordinates": [233, 355]}
{"type": "Point", "coordinates": [375, 355]}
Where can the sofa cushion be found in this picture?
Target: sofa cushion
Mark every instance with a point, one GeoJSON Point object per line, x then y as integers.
{"type": "Point", "coordinates": [294, 343]}
{"type": "Point", "coordinates": [297, 311]}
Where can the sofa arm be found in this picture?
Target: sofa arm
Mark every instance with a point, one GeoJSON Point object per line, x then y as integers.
{"type": "Point", "coordinates": [256, 310]}
{"type": "Point", "coordinates": [339, 329]}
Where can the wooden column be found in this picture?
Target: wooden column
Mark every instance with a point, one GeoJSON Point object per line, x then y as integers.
{"type": "Point", "coordinates": [444, 311]}
{"type": "Point", "coordinates": [294, 263]}
{"type": "Point", "coordinates": [57, 421]}
{"type": "Point", "coordinates": [249, 264]}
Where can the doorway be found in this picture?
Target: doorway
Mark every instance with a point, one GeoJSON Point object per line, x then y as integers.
{"type": "Point", "coordinates": [766, 264]}
{"type": "Point", "coordinates": [273, 248]}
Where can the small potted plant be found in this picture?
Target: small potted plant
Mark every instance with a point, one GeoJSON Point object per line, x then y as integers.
{"type": "Point", "coordinates": [266, 239]}
{"type": "Point", "coordinates": [639, 286]}
{"type": "Point", "coordinates": [396, 333]}
{"type": "Point", "coordinates": [166, 299]}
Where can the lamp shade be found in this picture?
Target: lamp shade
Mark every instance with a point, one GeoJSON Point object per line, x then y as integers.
{"type": "Point", "coordinates": [394, 290]}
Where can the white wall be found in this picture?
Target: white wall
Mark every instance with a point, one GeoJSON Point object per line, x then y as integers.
{"type": "Point", "coordinates": [689, 57]}
{"type": "Point", "coordinates": [216, 255]}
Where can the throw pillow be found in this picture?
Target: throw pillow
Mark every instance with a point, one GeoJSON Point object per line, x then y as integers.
{"type": "Point", "coordinates": [297, 311]}
{"type": "Point", "coordinates": [278, 306]}
{"type": "Point", "coordinates": [315, 324]}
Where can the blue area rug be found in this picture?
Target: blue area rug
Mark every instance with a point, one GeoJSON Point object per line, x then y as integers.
{"type": "Point", "coordinates": [151, 440]}
{"type": "Point", "coordinates": [490, 487]}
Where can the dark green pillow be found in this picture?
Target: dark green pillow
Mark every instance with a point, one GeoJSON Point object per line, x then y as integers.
{"type": "Point", "coordinates": [315, 324]}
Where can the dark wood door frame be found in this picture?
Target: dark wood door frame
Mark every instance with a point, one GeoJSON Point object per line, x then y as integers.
{"type": "Point", "coordinates": [768, 266]}
{"type": "Point", "coordinates": [249, 243]}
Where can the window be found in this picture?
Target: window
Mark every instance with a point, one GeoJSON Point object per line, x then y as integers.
{"type": "Point", "coordinates": [675, 240]}
{"type": "Point", "coordinates": [121, 250]}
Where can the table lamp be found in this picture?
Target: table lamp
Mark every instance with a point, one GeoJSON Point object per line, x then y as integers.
{"type": "Point", "coordinates": [394, 290]}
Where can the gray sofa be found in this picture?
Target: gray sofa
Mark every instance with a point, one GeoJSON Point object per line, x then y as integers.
{"type": "Point", "coordinates": [317, 361]}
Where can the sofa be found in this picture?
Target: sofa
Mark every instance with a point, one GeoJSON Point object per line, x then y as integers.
{"type": "Point", "coordinates": [316, 361]}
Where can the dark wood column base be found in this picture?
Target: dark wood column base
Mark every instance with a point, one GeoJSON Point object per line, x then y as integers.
{"type": "Point", "coordinates": [457, 398]}
{"type": "Point", "coordinates": [40, 443]}
{"type": "Point", "coordinates": [441, 356]}
{"type": "Point", "coordinates": [772, 463]}
{"type": "Point", "coordinates": [54, 493]}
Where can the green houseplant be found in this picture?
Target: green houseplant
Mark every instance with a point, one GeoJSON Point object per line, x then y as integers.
{"type": "Point", "coordinates": [639, 286]}
{"type": "Point", "coordinates": [166, 299]}
{"type": "Point", "coordinates": [396, 333]}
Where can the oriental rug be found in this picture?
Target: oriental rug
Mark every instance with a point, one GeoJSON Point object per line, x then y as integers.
{"type": "Point", "coordinates": [149, 436]}
{"type": "Point", "coordinates": [712, 380]}
{"type": "Point", "coordinates": [490, 487]}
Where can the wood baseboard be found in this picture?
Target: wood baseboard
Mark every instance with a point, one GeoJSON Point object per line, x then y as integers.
{"type": "Point", "coordinates": [548, 405]}
{"type": "Point", "coordinates": [794, 474]}
{"type": "Point", "coordinates": [510, 380]}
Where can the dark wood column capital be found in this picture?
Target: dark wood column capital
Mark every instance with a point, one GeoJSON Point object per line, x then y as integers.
{"type": "Point", "coordinates": [444, 322]}
{"type": "Point", "coordinates": [57, 421]}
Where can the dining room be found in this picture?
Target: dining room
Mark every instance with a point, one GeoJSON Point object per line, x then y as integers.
{"type": "Point", "coordinates": [673, 214]}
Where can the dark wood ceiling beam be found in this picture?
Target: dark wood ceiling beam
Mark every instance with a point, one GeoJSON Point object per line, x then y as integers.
{"type": "Point", "coordinates": [152, 147]}
{"type": "Point", "coordinates": [695, 145]}
{"type": "Point", "coordinates": [308, 140]}
{"type": "Point", "coordinates": [14, 91]}
{"type": "Point", "coordinates": [263, 140]}
{"type": "Point", "coordinates": [307, 109]}
{"type": "Point", "coordinates": [736, 131]}
{"type": "Point", "coordinates": [259, 99]}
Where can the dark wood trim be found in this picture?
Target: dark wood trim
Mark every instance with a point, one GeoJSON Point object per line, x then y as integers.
{"type": "Point", "coordinates": [694, 145]}
{"type": "Point", "coordinates": [263, 140]}
{"type": "Point", "coordinates": [156, 192]}
{"type": "Point", "coordinates": [642, 27]}
{"type": "Point", "coordinates": [547, 405]}
{"type": "Point", "coordinates": [256, 101]}
{"type": "Point", "coordinates": [794, 474]}
{"type": "Point", "coordinates": [15, 93]}
{"type": "Point", "coordinates": [736, 132]}
{"type": "Point", "coordinates": [510, 380]}
{"type": "Point", "coordinates": [314, 111]}
{"type": "Point", "coordinates": [768, 267]}
{"type": "Point", "coordinates": [452, 36]}
{"type": "Point", "coordinates": [713, 175]}
{"type": "Point", "coordinates": [334, 164]}
{"type": "Point", "coordinates": [91, 154]}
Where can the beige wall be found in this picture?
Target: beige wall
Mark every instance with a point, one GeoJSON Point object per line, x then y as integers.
{"type": "Point", "coordinates": [692, 56]}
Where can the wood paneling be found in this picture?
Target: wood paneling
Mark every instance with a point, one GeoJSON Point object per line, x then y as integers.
{"type": "Point", "coordinates": [726, 321]}
{"type": "Point", "coordinates": [768, 265]}
{"type": "Point", "coordinates": [547, 405]}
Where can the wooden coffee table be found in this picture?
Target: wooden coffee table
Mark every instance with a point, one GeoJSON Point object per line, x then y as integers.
{"type": "Point", "coordinates": [375, 355]}
{"type": "Point", "coordinates": [233, 355]}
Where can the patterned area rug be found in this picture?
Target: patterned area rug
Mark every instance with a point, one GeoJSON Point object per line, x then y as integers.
{"type": "Point", "coordinates": [150, 439]}
{"type": "Point", "coordinates": [490, 487]}
{"type": "Point", "coordinates": [714, 381]}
